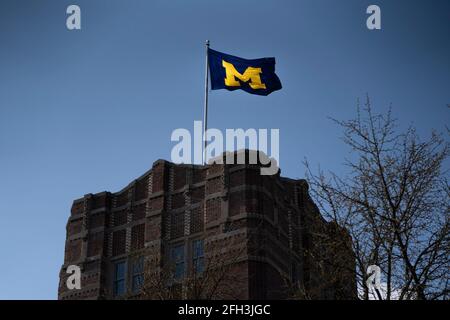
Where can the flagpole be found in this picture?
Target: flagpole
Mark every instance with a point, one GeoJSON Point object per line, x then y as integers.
{"type": "Point", "coordinates": [205, 110]}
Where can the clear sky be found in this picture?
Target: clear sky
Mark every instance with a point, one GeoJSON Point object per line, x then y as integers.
{"type": "Point", "coordinates": [90, 110]}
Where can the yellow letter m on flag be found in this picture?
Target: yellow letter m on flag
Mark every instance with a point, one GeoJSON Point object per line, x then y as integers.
{"type": "Point", "coordinates": [251, 74]}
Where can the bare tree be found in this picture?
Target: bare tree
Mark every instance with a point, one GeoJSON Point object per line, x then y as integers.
{"type": "Point", "coordinates": [394, 202]}
{"type": "Point", "coordinates": [329, 254]}
{"type": "Point", "coordinates": [218, 277]}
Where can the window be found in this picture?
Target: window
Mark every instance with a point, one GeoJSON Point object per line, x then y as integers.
{"type": "Point", "coordinates": [197, 256]}
{"type": "Point", "coordinates": [178, 260]}
{"type": "Point", "coordinates": [138, 275]}
{"type": "Point", "coordinates": [119, 278]}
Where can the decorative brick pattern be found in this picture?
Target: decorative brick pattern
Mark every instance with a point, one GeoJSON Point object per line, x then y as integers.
{"type": "Point", "coordinates": [196, 220]}
{"type": "Point", "coordinates": [197, 194]}
{"type": "Point", "coordinates": [139, 212]}
{"type": "Point", "coordinates": [77, 208]}
{"type": "Point", "coordinates": [199, 175]}
{"type": "Point", "coordinates": [214, 185]}
{"type": "Point", "coordinates": [179, 178]}
{"type": "Point", "coordinates": [137, 237]}
{"type": "Point", "coordinates": [237, 203]}
{"type": "Point", "coordinates": [156, 203]}
{"type": "Point", "coordinates": [96, 220]}
{"type": "Point", "coordinates": [141, 189]}
{"type": "Point", "coordinates": [120, 218]}
{"type": "Point", "coordinates": [237, 178]}
{"type": "Point", "coordinates": [99, 202]}
{"type": "Point", "coordinates": [178, 201]}
{"type": "Point", "coordinates": [118, 243]}
{"type": "Point", "coordinates": [176, 225]}
{"type": "Point", "coordinates": [121, 199]}
{"type": "Point", "coordinates": [74, 227]}
{"type": "Point", "coordinates": [95, 244]}
{"type": "Point", "coordinates": [213, 209]}
{"type": "Point", "coordinates": [153, 229]}
{"type": "Point", "coordinates": [158, 179]}
{"type": "Point", "coordinates": [73, 250]}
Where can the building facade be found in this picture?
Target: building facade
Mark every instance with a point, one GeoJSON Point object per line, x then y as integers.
{"type": "Point", "coordinates": [251, 236]}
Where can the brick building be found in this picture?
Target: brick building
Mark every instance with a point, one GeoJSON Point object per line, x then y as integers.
{"type": "Point", "coordinates": [180, 213]}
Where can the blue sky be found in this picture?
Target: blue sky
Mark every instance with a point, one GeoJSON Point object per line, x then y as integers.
{"type": "Point", "coordinates": [90, 110]}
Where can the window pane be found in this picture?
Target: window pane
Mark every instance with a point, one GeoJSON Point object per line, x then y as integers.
{"type": "Point", "coordinates": [178, 253]}
{"type": "Point", "coordinates": [119, 278]}
{"type": "Point", "coordinates": [179, 270]}
{"type": "Point", "coordinates": [138, 275]}
{"type": "Point", "coordinates": [197, 256]}
{"type": "Point", "coordinates": [197, 248]}
{"type": "Point", "coordinates": [119, 287]}
{"type": "Point", "coordinates": [178, 261]}
{"type": "Point", "coordinates": [120, 271]}
{"type": "Point", "coordinates": [198, 265]}
{"type": "Point", "coordinates": [138, 266]}
{"type": "Point", "coordinates": [138, 281]}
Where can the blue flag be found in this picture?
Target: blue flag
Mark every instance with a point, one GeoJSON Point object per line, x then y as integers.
{"type": "Point", "coordinates": [255, 76]}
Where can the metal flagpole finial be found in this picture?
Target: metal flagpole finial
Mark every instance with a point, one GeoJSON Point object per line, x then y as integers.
{"type": "Point", "coordinates": [207, 43]}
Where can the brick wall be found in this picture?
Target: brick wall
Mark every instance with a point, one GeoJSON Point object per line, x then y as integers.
{"type": "Point", "coordinates": [173, 204]}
